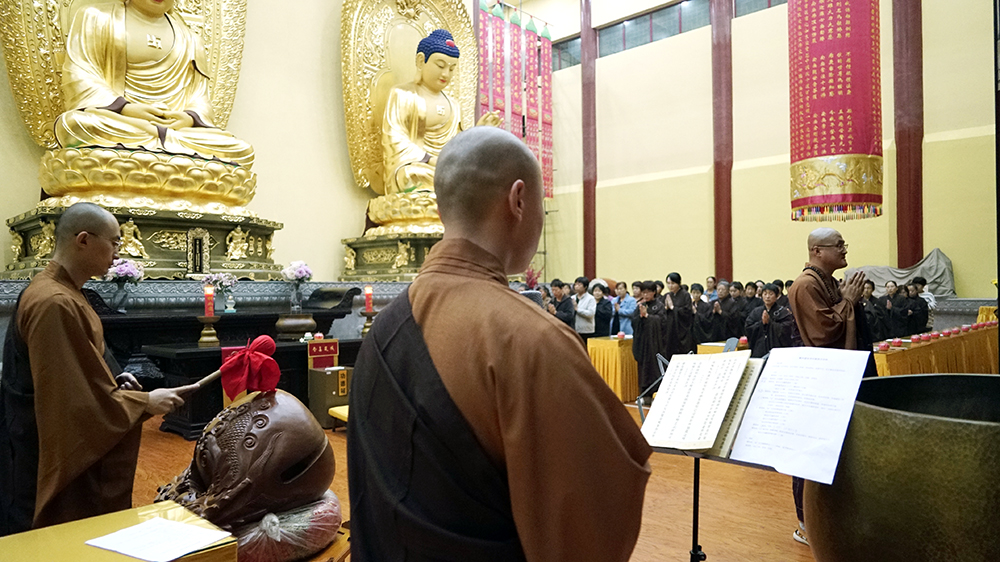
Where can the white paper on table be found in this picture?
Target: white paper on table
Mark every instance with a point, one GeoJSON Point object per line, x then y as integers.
{"type": "Point", "coordinates": [159, 540]}
{"type": "Point", "coordinates": [800, 410]}
{"type": "Point", "coordinates": [692, 400]}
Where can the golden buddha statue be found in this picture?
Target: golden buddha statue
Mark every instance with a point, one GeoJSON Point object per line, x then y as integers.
{"type": "Point", "coordinates": [135, 77]}
{"type": "Point", "coordinates": [420, 117]}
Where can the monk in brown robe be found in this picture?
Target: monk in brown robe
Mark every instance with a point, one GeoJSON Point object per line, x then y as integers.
{"type": "Point", "coordinates": [827, 313]}
{"type": "Point", "coordinates": [469, 439]}
{"type": "Point", "coordinates": [69, 428]}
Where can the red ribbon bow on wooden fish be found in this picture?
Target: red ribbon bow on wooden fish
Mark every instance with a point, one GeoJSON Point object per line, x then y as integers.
{"type": "Point", "coordinates": [251, 369]}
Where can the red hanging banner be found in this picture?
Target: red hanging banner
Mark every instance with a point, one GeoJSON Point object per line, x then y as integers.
{"type": "Point", "coordinates": [516, 122]}
{"type": "Point", "coordinates": [484, 59]}
{"type": "Point", "coordinates": [545, 67]}
{"type": "Point", "coordinates": [836, 109]}
{"type": "Point", "coordinates": [498, 61]}
{"type": "Point", "coordinates": [531, 111]}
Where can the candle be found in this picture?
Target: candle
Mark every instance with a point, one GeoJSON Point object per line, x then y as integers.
{"type": "Point", "coordinates": [368, 298]}
{"type": "Point", "coordinates": [209, 300]}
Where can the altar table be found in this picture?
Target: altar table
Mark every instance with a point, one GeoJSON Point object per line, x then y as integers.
{"type": "Point", "coordinates": [612, 357]}
{"type": "Point", "coordinates": [66, 541]}
{"type": "Point", "coordinates": [969, 352]}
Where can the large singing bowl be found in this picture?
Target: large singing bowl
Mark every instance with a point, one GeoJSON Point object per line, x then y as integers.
{"type": "Point", "coordinates": [919, 474]}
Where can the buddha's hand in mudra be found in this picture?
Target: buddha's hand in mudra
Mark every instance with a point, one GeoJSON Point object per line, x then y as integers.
{"type": "Point", "coordinates": [491, 119]}
{"type": "Point", "coordinates": [158, 116]}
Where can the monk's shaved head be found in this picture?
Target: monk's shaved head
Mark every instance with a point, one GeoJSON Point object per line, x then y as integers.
{"type": "Point", "coordinates": [84, 217]}
{"type": "Point", "coordinates": [822, 236]}
{"type": "Point", "coordinates": [477, 168]}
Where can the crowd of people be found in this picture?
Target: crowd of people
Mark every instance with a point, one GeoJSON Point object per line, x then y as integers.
{"type": "Point", "coordinates": [672, 317]}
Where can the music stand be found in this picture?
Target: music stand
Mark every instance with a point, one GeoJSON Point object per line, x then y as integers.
{"type": "Point", "coordinates": [697, 555]}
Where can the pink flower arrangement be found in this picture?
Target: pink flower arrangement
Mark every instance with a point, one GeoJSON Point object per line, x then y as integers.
{"type": "Point", "coordinates": [531, 277]}
{"type": "Point", "coordinates": [297, 272]}
{"type": "Point", "coordinates": [125, 271]}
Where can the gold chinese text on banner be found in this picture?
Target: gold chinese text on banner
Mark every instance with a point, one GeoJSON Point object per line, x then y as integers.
{"type": "Point", "coordinates": [836, 109]}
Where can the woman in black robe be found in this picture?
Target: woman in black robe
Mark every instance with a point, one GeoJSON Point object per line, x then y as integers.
{"type": "Point", "coordinates": [678, 318]}
{"type": "Point", "coordinates": [701, 326]}
{"type": "Point", "coordinates": [647, 333]}
{"type": "Point", "coordinates": [873, 314]}
{"type": "Point", "coordinates": [602, 318]}
{"type": "Point", "coordinates": [916, 311]}
{"type": "Point", "coordinates": [893, 306]}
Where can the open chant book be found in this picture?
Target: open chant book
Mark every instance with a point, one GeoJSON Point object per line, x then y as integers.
{"type": "Point", "coordinates": [792, 415]}
{"type": "Point", "coordinates": [701, 401]}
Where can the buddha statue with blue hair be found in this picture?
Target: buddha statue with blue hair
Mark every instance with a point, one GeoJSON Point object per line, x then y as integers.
{"type": "Point", "coordinates": [420, 118]}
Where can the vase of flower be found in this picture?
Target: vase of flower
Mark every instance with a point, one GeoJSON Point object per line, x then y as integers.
{"type": "Point", "coordinates": [123, 272]}
{"type": "Point", "coordinates": [224, 284]}
{"type": "Point", "coordinates": [297, 273]}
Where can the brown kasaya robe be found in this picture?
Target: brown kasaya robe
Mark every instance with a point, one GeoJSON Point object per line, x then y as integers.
{"type": "Point", "coordinates": [87, 429]}
{"type": "Point", "coordinates": [574, 459]}
{"type": "Point", "coordinates": [823, 316]}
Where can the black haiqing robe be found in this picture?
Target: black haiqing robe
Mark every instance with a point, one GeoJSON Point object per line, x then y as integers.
{"type": "Point", "coordinates": [776, 333]}
{"type": "Point", "coordinates": [648, 341]}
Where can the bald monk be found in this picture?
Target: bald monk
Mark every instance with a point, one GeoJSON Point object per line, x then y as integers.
{"type": "Point", "coordinates": [470, 440]}
{"type": "Point", "coordinates": [828, 314]}
{"type": "Point", "coordinates": [69, 428]}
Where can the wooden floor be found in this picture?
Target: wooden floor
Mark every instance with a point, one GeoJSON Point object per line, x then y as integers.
{"type": "Point", "coordinates": [746, 514]}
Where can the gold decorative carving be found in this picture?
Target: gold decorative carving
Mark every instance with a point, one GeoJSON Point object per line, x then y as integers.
{"type": "Point", "coordinates": [143, 212]}
{"type": "Point", "coordinates": [373, 64]}
{"type": "Point", "coordinates": [232, 218]}
{"type": "Point", "coordinates": [269, 245]}
{"type": "Point", "coordinates": [349, 258]}
{"type": "Point", "coordinates": [236, 265]}
{"type": "Point", "coordinates": [187, 215]}
{"type": "Point", "coordinates": [169, 239]}
{"type": "Point", "coordinates": [16, 245]}
{"type": "Point", "coordinates": [836, 175]}
{"type": "Point", "coordinates": [199, 263]}
{"type": "Point", "coordinates": [260, 246]}
{"type": "Point", "coordinates": [402, 258]}
{"type": "Point", "coordinates": [131, 242]}
{"type": "Point", "coordinates": [236, 245]}
{"type": "Point", "coordinates": [41, 245]}
{"type": "Point", "coordinates": [33, 34]}
{"type": "Point", "coordinates": [250, 246]}
{"type": "Point", "coordinates": [150, 180]}
{"type": "Point", "coordinates": [378, 255]}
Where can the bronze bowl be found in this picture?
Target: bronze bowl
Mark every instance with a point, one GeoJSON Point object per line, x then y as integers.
{"type": "Point", "coordinates": [918, 477]}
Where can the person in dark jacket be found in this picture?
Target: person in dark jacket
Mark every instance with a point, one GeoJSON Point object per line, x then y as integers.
{"type": "Point", "coordinates": [605, 310]}
{"type": "Point", "coordinates": [769, 325]}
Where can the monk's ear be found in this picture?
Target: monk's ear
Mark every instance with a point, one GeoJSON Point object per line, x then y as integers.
{"type": "Point", "coordinates": [516, 202]}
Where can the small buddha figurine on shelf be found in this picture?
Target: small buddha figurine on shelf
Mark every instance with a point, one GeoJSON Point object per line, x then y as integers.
{"type": "Point", "coordinates": [420, 117]}
{"type": "Point", "coordinates": [135, 77]}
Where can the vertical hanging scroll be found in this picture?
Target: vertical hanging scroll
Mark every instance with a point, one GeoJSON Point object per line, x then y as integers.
{"type": "Point", "coordinates": [545, 65]}
{"type": "Point", "coordinates": [531, 110]}
{"type": "Point", "coordinates": [836, 109]}
{"type": "Point", "coordinates": [484, 59]}
{"type": "Point", "coordinates": [515, 122]}
{"type": "Point", "coordinates": [498, 61]}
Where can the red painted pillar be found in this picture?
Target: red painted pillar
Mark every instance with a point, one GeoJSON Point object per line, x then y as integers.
{"type": "Point", "coordinates": [588, 64]}
{"type": "Point", "coordinates": [721, 14]}
{"type": "Point", "coordinates": [908, 99]}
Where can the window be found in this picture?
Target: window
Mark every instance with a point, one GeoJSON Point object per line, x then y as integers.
{"type": "Point", "coordinates": [651, 26]}
{"type": "Point", "coordinates": [566, 54]}
{"type": "Point", "coordinates": [744, 7]}
{"type": "Point", "coordinates": [694, 14]}
{"type": "Point", "coordinates": [666, 22]}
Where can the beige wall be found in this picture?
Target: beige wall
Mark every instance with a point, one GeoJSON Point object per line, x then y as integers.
{"type": "Point", "coordinates": [654, 197]}
{"type": "Point", "coordinates": [289, 106]}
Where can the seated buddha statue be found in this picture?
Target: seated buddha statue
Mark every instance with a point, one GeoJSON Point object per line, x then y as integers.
{"type": "Point", "coordinates": [420, 118]}
{"type": "Point", "coordinates": [135, 77]}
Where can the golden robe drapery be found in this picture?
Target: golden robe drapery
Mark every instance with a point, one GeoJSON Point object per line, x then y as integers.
{"type": "Point", "coordinates": [407, 142]}
{"type": "Point", "coordinates": [96, 74]}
